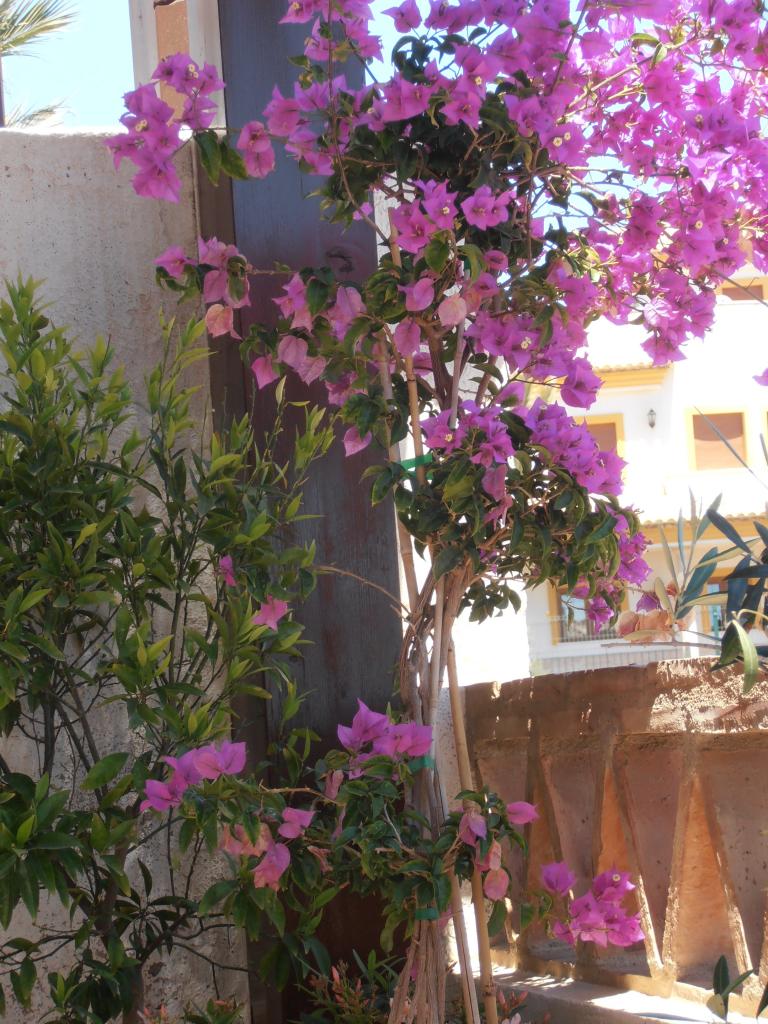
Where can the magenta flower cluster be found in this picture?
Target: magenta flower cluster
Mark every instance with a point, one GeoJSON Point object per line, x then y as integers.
{"type": "Point", "coordinates": [640, 183]}
{"type": "Point", "coordinates": [598, 916]}
{"type": "Point", "coordinates": [372, 734]}
{"type": "Point", "coordinates": [154, 129]}
{"type": "Point", "coordinates": [205, 763]}
{"type": "Point", "coordinates": [473, 828]}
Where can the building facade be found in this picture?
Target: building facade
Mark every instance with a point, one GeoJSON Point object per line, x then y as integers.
{"type": "Point", "coordinates": [668, 424]}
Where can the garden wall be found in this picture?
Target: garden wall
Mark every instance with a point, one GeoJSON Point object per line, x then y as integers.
{"type": "Point", "coordinates": [70, 222]}
{"type": "Point", "coordinates": [659, 770]}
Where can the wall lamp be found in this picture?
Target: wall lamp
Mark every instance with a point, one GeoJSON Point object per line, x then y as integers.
{"type": "Point", "coordinates": [651, 418]}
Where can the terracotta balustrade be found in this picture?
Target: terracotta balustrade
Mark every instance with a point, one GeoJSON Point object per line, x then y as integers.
{"type": "Point", "coordinates": [660, 770]}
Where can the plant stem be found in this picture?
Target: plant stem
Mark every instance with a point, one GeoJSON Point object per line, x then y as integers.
{"type": "Point", "coordinates": [478, 899]}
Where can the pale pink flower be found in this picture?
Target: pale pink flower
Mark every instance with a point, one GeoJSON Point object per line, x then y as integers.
{"type": "Point", "coordinates": [227, 570]}
{"type": "Point", "coordinates": [333, 783]}
{"type": "Point", "coordinates": [271, 611]}
{"type": "Point", "coordinates": [520, 812]}
{"type": "Point", "coordinates": [264, 371]}
{"type": "Point", "coordinates": [558, 878]}
{"type": "Point", "coordinates": [227, 759]}
{"type": "Point", "coordinates": [472, 827]}
{"type": "Point", "coordinates": [353, 443]}
{"type": "Point", "coordinates": [272, 866]}
{"type": "Point", "coordinates": [419, 295]}
{"type": "Point", "coordinates": [496, 884]}
{"type": "Point", "coordinates": [492, 860]}
{"type": "Point", "coordinates": [452, 311]}
{"type": "Point", "coordinates": [220, 320]}
{"type": "Point", "coordinates": [295, 822]}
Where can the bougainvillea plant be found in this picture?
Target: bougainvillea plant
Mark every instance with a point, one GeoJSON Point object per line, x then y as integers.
{"type": "Point", "coordinates": [527, 167]}
{"type": "Point", "coordinates": [147, 584]}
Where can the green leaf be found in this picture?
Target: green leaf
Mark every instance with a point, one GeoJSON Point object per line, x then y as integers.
{"type": "Point", "coordinates": [104, 771]}
{"type": "Point", "coordinates": [210, 154]}
{"type": "Point", "coordinates": [232, 163]}
{"type": "Point", "coordinates": [86, 532]}
{"type": "Point", "coordinates": [729, 531]}
{"type": "Point", "coordinates": [721, 976]}
{"type": "Point", "coordinates": [217, 892]}
{"type": "Point", "coordinates": [56, 841]}
{"type": "Point", "coordinates": [738, 981]}
{"type": "Point", "coordinates": [436, 255]}
{"type": "Point", "coordinates": [498, 917]}
{"type": "Point", "coordinates": [763, 1002]}
{"type": "Point", "coordinates": [749, 654]}
{"type": "Point", "coordinates": [33, 597]}
{"type": "Point", "coordinates": [445, 560]}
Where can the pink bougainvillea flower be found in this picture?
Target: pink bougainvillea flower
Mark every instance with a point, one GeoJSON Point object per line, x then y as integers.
{"type": "Point", "coordinates": [353, 443]}
{"type": "Point", "coordinates": [272, 866]}
{"type": "Point", "coordinates": [220, 320]}
{"type": "Point", "coordinates": [226, 759]}
{"type": "Point", "coordinates": [612, 885]}
{"type": "Point", "coordinates": [762, 378]}
{"type": "Point", "coordinates": [492, 860]}
{"type": "Point", "coordinates": [174, 262]}
{"type": "Point", "coordinates": [160, 796]}
{"type": "Point", "coordinates": [406, 17]}
{"type": "Point", "coordinates": [521, 813]}
{"type": "Point", "coordinates": [263, 369]}
{"type": "Point", "coordinates": [472, 827]}
{"type": "Point", "coordinates": [406, 739]}
{"type": "Point", "coordinates": [256, 147]}
{"type": "Point", "coordinates": [227, 570]}
{"type": "Point", "coordinates": [158, 179]}
{"type": "Point", "coordinates": [271, 611]}
{"type": "Point", "coordinates": [557, 878]}
{"type": "Point", "coordinates": [237, 843]}
{"type": "Point", "coordinates": [647, 602]}
{"type": "Point", "coordinates": [367, 726]}
{"type": "Point", "coordinates": [322, 856]}
{"type": "Point", "coordinates": [407, 338]}
{"type": "Point", "coordinates": [419, 295]}
{"type": "Point", "coordinates": [483, 209]}
{"type": "Point", "coordinates": [295, 822]}
{"type": "Point", "coordinates": [563, 931]}
{"type": "Point", "coordinates": [452, 311]}
{"type": "Point", "coordinates": [496, 884]}
{"type": "Point", "coordinates": [185, 772]}
{"type": "Point", "coordinates": [333, 781]}
{"type": "Point", "coordinates": [292, 351]}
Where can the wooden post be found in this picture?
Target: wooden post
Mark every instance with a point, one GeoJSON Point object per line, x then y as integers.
{"type": "Point", "coordinates": [354, 633]}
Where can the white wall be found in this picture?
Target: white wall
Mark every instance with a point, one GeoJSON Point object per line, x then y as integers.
{"type": "Point", "coordinates": [715, 376]}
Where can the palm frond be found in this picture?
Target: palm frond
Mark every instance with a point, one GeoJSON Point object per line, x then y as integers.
{"type": "Point", "coordinates": [24, 22]}
{"type": "Point", "coordinates": [21, 118]}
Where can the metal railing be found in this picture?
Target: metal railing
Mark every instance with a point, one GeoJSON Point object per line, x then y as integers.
{"type": "Point", "coordinates": [568, 630]}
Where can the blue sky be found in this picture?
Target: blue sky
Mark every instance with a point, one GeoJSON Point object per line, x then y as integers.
{"type": "Point", "coordinates": [86, 69]}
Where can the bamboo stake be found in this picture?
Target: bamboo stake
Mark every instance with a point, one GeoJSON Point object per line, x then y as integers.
{"type": "Point", "coordinates": [403, 537]}
{"type": "Point", "coordinates": [478, 898]}
{"type": "Point", "coordinates": [410, 375]}
{"type": "Point", "coordinates": [441, 654]}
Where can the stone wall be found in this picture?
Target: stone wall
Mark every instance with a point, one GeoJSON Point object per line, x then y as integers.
{"type": "Point", "coordinates": [69, 221]}
{"type": "Point", "coordinates": [659, 770]}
